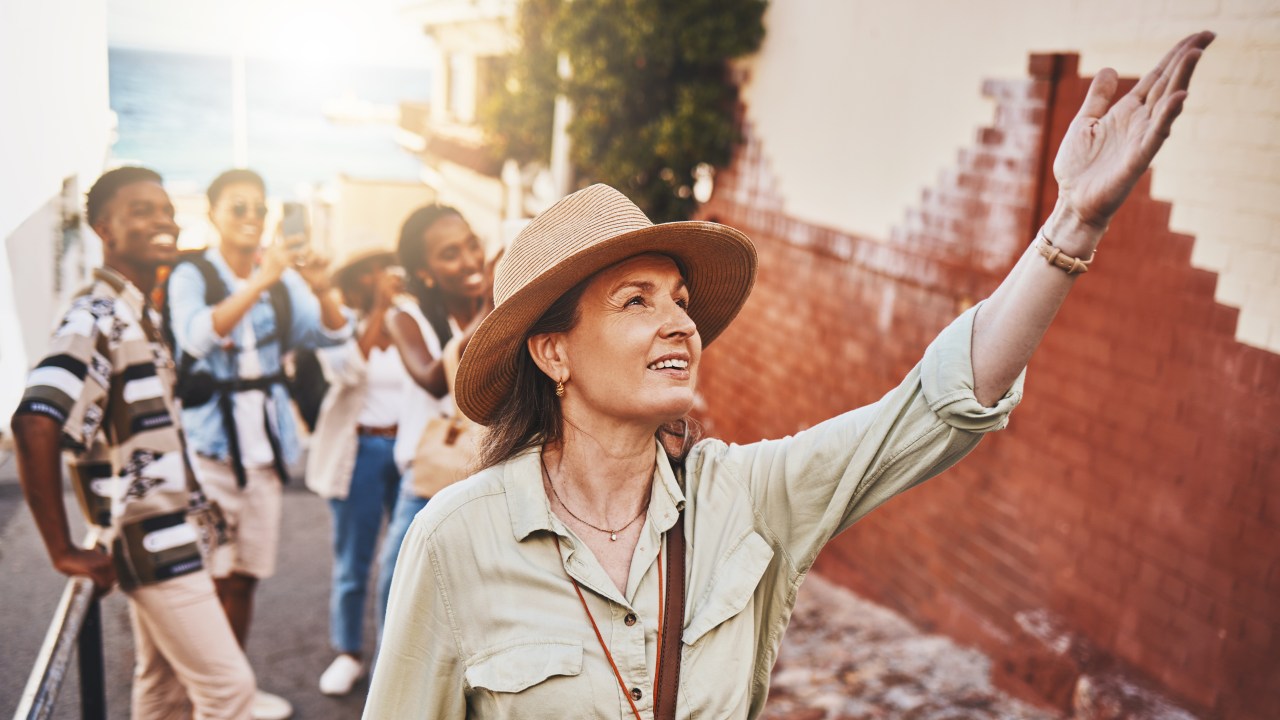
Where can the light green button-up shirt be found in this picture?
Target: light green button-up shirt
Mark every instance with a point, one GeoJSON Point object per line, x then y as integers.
{"type": "Point", "coordinates": [483, 621]}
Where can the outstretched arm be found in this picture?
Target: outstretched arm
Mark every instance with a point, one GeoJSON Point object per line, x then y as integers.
{"type": "Point", "coordinates": [1100, 159]}
{"type": "Point", "coordinates": [315, 270]}
{"type": "Point", "coordinates": [426, 370]}
{"type": "Point", "coordinates": [228, 313]}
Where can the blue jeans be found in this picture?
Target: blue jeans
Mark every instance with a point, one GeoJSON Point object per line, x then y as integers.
{"type": "Point", "coordinates": [375, 481]}
{"type": "Point", "coordinates": [407, 506]}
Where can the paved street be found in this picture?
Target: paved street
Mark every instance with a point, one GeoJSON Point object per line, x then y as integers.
{"type": "Point", "coordinates": [843, 659]}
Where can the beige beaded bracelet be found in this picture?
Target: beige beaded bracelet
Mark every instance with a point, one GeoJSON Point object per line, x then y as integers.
{"type": "Point", "coordinates": [1057, 258]}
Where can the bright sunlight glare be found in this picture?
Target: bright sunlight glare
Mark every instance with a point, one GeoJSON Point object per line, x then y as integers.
{"type": "Point", "coordinates": [308, 32]}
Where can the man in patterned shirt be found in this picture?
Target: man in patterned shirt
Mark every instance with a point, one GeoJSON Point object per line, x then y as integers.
{"type": "Point", "coordinates": [104, 393]}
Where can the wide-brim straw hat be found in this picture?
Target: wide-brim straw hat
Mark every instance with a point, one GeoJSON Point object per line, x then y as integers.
{"type": "Point", "coordinates": [581, 234]}
{"type": "Point", "coordinates": [351, 259]}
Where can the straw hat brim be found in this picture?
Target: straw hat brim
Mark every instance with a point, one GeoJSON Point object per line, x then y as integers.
{"type": "Point", "coordinates": [359, 256]}
{"type": "Point", "coordinates": [719, 268]}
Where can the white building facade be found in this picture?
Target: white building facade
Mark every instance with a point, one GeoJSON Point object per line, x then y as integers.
{"type": "Point", "coordinates": [55, 135]}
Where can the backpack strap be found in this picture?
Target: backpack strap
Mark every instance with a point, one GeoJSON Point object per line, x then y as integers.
{"type": "Point", "coordinates": [215, 291]}
{"type": "Point", "coordinates": [282, 308]}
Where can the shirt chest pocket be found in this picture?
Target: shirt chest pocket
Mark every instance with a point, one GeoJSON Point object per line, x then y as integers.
{"type": "Point", "coordinates": [526, 678]}
{"type": "Point", "coordinates": [730, 588]}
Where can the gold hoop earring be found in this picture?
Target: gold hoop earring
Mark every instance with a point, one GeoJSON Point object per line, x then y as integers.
{"type": "Point", "coordinates": [559, 388]}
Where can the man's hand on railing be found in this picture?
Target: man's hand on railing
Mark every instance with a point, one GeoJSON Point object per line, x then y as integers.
{"type": "Point", "coordinates": [91, 563]}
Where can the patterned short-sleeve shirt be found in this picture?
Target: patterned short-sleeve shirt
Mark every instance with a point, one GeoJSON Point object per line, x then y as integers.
{"type": "Point", "coordinates": [108, 380]}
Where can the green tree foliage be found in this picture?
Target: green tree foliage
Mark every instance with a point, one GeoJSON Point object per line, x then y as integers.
{"type": "Point", "coordinates": [518, 116]}
{"type": "Point", "coordinates": [650, 93]}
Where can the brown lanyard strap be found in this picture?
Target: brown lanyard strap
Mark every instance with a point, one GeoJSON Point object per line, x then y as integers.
{"type": "Point", "coordinates": [671, 626]}
{"type": "Point", "coordinates": [626, 693]}
{"type": "Point", "coordinates": [657, 670]}
{"type": "Point", "coordinates": [670, 609]}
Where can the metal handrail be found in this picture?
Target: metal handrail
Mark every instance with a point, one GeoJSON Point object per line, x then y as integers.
{"type": "Point", "coordinates": [76, 622]}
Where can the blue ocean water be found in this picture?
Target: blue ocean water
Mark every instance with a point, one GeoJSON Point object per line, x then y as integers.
{"type": "Point", "coordinates": [175, 116]}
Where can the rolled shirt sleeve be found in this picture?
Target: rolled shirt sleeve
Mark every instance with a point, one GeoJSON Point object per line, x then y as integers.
{"type": "Point", "coordinates": [946, 374]}
{"type": "Point", "coordinates": [809, 487]}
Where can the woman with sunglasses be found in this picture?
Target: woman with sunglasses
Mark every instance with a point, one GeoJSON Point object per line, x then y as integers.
{"type": "Point", "coordinates": [226, 307]}
{"type": "Point", "coordinates": [606, 563]}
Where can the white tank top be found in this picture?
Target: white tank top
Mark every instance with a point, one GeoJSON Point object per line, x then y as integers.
{"type": "Point", "coordinates": [385, 396]}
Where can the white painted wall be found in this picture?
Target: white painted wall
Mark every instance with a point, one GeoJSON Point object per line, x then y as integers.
{"type": "Point", "coordinates": [55, 125]}
{"type": "Point", "coordinates": [53, 83]}
{"type": "Point", "coordinates": [861, 103]}
{"type": "Point", "coordinates": [369, 213]}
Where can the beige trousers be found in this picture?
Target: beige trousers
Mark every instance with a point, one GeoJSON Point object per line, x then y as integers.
{"type": "Point", "coordinates": [252, 513]}
{"type": "Point", "coordinates": [188, 662]}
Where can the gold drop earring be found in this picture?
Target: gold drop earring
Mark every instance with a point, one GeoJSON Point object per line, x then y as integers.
{"type": "Point", "coordinates": [559, 388]}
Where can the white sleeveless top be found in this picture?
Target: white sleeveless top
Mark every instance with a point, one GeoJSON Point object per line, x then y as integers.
{"type": "Point", "coordinates": [384, 394]}
{"type": "Point", "coordinates": [419, 405]}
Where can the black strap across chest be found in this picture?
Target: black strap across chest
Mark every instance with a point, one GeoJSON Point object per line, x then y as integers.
{"type": "Point", "coordinates": [215, 291]}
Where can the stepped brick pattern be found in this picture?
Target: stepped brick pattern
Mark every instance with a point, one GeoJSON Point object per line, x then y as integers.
{"type": "Point", "coordinates": [1126, 525]}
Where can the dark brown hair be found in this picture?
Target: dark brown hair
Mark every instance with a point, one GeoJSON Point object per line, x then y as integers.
{"type": "Point", "coordinates": [106, 187]}
{"type": "Point", "coordinates": [412, 249]}
{"type": "Point", "coordinates": [348, 278]}
{"type": "Point", "coordinates": [531, 415]}
{"type": "Point", "coordinates": [233, 177]}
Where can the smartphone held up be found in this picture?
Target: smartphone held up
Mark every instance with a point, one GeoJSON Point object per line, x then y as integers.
{"type": "Point", "coordinates": [294, 233]}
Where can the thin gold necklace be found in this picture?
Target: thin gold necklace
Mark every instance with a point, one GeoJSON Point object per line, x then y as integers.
{"type": "Point", "coordinates": [613, 534]}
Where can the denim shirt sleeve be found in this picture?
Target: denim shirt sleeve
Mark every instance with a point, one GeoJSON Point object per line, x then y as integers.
{"type": "Point", "coordinates": [191, 319]}
{"type": "Point", "coordinates": [308, 329]}
{"type": "Point", "coordinates": [809, 487]}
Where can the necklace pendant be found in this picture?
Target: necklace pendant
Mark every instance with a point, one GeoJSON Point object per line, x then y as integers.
{"type": "Point", "coordinates": [613, 536]}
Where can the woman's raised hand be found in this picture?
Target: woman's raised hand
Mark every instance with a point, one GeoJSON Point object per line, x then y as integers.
{"type": "Point", "coordinates": [1106, 151]}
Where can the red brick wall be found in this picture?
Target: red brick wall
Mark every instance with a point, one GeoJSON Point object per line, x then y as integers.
{"type": "Point", "coordinates": [1135, 497]}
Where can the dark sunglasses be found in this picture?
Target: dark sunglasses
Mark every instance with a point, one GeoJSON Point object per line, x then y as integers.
{"type": "Point", "coordinates": [241, 209]}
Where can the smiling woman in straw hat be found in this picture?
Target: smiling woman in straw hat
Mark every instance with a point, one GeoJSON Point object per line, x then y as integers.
{"type": "Point", "coordinates": [585, 571]}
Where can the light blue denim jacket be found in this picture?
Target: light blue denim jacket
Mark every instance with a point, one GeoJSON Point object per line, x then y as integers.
{"type": "Point", "coordinates": [193, 333]}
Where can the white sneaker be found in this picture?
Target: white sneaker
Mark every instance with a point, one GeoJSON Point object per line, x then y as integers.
{"type": "Point", "coordinates": [270, 707]}
{"type": "Point", "coordinates": [343, 674]}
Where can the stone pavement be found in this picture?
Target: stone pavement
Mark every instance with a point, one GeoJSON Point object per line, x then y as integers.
{"type": "Point", "coordinates": [843, 658]}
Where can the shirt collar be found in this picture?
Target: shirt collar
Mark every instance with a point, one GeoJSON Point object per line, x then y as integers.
{"type": "Point", "coordinates": [530, 509]}
{"type": "Point", "coordinates": [214, 256]}
{"type": "Point", "coordinates": [129, 292]}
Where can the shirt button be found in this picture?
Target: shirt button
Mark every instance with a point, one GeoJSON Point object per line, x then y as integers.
{"type": "Point", "coordinates": [630, 619]}
{"type": "Point", "coordinates": [636, 694]}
